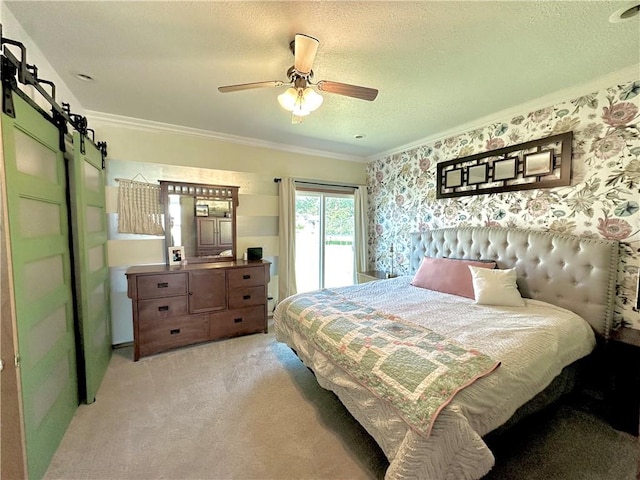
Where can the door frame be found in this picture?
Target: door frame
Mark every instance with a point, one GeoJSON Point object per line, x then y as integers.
{"type": "Point", "coordinates": [323, 194]}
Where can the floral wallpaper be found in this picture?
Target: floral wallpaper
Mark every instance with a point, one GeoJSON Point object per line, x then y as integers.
{"type": "Point", "coordinates": [602, 201]}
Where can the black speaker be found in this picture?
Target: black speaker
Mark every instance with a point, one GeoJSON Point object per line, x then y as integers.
{"type": "Point", "coordinates": [254, 253]}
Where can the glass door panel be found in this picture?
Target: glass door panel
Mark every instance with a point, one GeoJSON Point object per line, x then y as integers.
{"type": "Point", "coordinates": [324, 240]}
{"type": "Point", "coordinates": [338, 241]}
{"type": "Point", "coordinates": [308, 235]}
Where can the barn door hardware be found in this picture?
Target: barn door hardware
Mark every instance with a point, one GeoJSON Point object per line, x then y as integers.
{"type": "Point", "coordinates": [28, 75]}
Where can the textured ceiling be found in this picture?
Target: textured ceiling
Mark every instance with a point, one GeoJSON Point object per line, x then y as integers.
{"type": "Point", "coordinates": [437, 65]}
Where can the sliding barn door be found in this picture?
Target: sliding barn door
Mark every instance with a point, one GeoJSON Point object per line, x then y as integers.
{"type": "Point", "coordinates": [89, 227]}
{"type": "Point", "coordinates": [40, 254]}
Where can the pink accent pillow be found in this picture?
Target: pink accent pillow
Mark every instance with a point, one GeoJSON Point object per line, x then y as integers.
{"type": "Point", "coordinates": [448, 275]}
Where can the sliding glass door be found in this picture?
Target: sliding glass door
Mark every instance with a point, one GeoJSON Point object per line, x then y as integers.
{"type": "Point", "coordinates": [325, 236]}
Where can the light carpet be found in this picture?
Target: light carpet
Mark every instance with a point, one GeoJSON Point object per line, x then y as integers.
{"type": "Point", "coordinates": [246, 408]}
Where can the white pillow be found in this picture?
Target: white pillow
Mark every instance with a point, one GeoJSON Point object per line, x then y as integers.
{"type": "Point", "coordinates": [496, 287]}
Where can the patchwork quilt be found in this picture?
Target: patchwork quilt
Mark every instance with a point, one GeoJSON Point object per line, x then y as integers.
{"type": "Point", "coordinates": [415, 369]}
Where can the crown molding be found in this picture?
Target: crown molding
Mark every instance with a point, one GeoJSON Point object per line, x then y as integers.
{"type": "Point", "coordinates": [152, 126]}
{"type": "Point", "coordinates": [628, 74]}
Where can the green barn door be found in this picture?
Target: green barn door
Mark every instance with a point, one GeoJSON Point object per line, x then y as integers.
{"type": "Point", "coordinates": [87, 186]}
{"type": "Point", "coordinates": [39, 235]}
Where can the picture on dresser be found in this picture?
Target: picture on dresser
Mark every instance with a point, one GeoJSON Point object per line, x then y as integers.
{"type": "Point", "coordinates": [176, 255]}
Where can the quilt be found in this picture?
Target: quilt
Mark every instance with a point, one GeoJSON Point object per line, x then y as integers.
{"type": "Point", "coordinates": [533, 344]}
{"type": "Point", "coordinates": [415, 369]}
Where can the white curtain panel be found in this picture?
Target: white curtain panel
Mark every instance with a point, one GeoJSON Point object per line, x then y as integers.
{"type": "Point", "coordinates": [361, 258]}
{"type": "Point", "coordinates": [287, 231]}
{"type": "Point", "coordinates": [139, 208]}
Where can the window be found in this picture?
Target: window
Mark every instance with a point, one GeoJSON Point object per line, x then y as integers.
{"type": "Point", "coordinates": [325, 234]}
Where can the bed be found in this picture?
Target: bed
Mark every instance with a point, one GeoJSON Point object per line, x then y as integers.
{"type": "Point", "coordinates": [501, 362]}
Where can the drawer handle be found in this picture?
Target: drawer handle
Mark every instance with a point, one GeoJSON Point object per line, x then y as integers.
{"type": "Point", "coordinates": [163, 285]}
{"type": "Point", "coordinates": [246, 297]}
{"type": "Point", "coordinates": [246, 277]}
{"type": "Point", "coordinates": [237, 320]}
{"type": "Point", "coordinates": [175, 331]}
{"type": "Point", "coordinates": [163, 308]}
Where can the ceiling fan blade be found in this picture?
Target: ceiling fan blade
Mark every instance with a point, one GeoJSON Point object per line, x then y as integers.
{"type": "Point", "coordinates": [363, 93]}
{"type": "Point", "coordinates": [304, 50]}
{"type": "Point", "coordinates": [247, 86]}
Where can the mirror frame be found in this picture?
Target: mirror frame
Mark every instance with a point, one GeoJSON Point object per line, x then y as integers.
{"type": "Point", "coordinates": [199, 190]}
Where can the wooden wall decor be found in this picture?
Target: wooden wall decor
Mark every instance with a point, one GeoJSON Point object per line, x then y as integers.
{"type": "Point", "coordinates": [542, 163]}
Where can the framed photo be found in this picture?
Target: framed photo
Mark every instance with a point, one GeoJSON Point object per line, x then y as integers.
{"type": "Point", "coordinates": [453, 178]}
{"type": "Point", "coordinates": [505, 169]}
{"type": "Point", "coordinates": [539, 163]}
{"type": "Point", "coordinates": [477, 174]}
{"type": "Point", "coordinates": [176, 255]}
{"type": "Point", "coordinates": [202, 210]}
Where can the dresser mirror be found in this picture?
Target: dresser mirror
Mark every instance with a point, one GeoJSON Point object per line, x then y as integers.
{"type": "Point", "coordinates": [202, 219]}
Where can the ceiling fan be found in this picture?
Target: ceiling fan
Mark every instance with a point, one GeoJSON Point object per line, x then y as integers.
{"type": "Point", "coordinates": [300, 99]}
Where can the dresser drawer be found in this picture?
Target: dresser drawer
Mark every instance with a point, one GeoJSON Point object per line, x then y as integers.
{"type": "Point", "coordinates": [246, 277]}
{"type": "Point", "coordinates": [157, 308]}
{"type": "Point", "coordinates": [162, 334]}
{"type": "Point", "coordinates": [238, 322]}
{"type": "Point", "coordinates": [152, 286]}
{"type": "Point", "coordinates": [247, 296]}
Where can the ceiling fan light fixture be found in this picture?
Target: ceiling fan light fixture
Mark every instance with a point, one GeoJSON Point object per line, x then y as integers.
{"type": "Point", "coordinates": [300, 110]}
{"type": "Point", "coordinates": [300, 102]}
{"type": "Point", "coordinates": [300, 99]}
{"type": "Point", "coordinates": [287, 100]}
{"type": "Point", "coordinates": [312, 99]}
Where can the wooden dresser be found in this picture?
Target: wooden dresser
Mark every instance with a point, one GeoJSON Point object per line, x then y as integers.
{"type": "Point", "coordinates": [174, 306]}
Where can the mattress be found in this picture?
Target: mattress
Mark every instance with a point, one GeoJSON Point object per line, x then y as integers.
{"type": "Point", "coordinates": [532, 343]}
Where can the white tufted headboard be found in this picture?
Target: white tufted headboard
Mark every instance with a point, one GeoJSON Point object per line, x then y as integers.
{"type": "Point", "coordinates": [575, 273]}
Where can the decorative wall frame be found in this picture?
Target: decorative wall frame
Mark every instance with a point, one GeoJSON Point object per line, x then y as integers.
{"type": "Point", "coordinates": [506, 169]}
{"type": "Point", "coordinates": [539, 163]}
{"type": "Point", "coordinates": [542, 163]}
{"type": "Point", "coordinates": [453, 178]}
{"type": "Point", "coordinates": [477, 174]}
